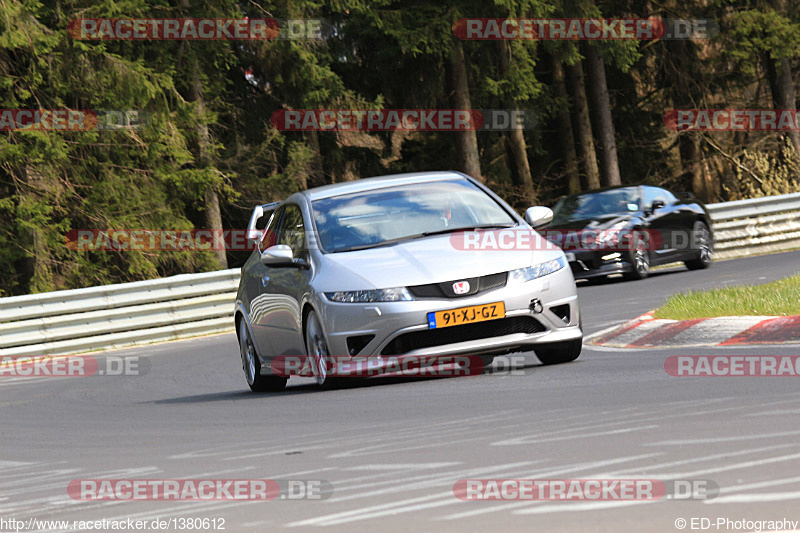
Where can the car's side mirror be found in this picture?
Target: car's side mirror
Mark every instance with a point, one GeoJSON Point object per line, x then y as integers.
{"type": "Point", "coordinates": [278, 255]}
{"type": "Point", "coordinates": [538, 216]}
{"type": "Point", "coordinates": [281, 255]}
{"type": "Point", "coordinates": [657, 204]}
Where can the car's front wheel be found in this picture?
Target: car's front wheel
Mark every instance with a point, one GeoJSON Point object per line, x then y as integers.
{"type": "Point", "coordinates": [704, 248]}
{"type": "Point", "coordinates": [252, 365]}
{"type": "Point", "coordinates": [559, 352]}
{"type": "Point", "coordinates": [318, 352]}
{"type": "Point", "coordinates": [640, 261]}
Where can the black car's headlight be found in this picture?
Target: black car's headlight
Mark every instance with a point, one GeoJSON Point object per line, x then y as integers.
{"type": "Point", "coordinates": [611, 235]}
{"type": "Point", "coordinates": [397, 294]}
{"type": "Point", "coordinates": [537, 271]}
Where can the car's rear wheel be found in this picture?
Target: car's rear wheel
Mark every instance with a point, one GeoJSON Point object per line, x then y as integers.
{"type": "Point", "coordinates": [317, 347]}
{"type": "Point", "coordinates": [704, 247]}
{"type": "Point", "coordinates": [559, 352]}
{"type": "Point", "coordinates": [252, 365]}
{"type": "Point", "coordinates": [640, 261]}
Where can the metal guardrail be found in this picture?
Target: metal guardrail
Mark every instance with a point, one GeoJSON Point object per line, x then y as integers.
{"type": "Point", "coordinates": [757, 226]}
{"type": "Point", "coordinates": [113, 316]}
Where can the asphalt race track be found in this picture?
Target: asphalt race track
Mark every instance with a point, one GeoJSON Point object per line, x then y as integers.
{"type": "Point", "coordinates": [392, 449]}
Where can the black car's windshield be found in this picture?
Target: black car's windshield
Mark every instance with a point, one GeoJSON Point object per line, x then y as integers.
{"type": "Point", "coordinates": [394, 214]}
{"type": "Point", "coordinates": [596, 205]}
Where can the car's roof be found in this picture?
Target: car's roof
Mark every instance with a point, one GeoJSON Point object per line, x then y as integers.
{"type": "Point", "coordinates": [367, 184]}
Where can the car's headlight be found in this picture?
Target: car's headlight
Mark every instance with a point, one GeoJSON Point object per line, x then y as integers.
{"type": "Point", "coordinates": [397, 294]}
{"type": "Point", "coordinates": [611, 235]}
{"type": "Point", "coordinates": [537, 271]}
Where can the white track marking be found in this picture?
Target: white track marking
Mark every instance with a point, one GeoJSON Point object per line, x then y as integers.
{"type": "Point", "coordinates": [712, 440]}
{"type": "Point", "coordinates": [735, 466]}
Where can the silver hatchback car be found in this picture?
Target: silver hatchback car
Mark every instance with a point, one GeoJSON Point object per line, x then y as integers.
{"type": "Point", "coordinates": [386, 268]}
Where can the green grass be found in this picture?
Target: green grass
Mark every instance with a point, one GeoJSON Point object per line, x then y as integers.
{"type": "Point", "coordinates": [777, 298]}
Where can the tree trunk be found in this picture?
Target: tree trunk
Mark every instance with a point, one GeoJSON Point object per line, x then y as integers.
{"type": "Point", "coordinates": [213, 216]}
{"type": "Point", "coordinates": [605, 124]}
{"type": "Point", "coordinates": [466, 141]}
{"type": "Point", "coordinates": [583, 125]}
{"type": "Point", "coordinates": [515, 140]}
{"type": "Point", "coordinates": [783, 94]}
{"type": "Point", "coordinates": [565, 134]}
{"type": "Point", "coordinates": [316, 176]}
{"type": "Point", "coordinates": [691, 158]}
{"type": "Point", "coordinates": [37, 271]}
{"type": "Point", "coordinates": [688, 90]}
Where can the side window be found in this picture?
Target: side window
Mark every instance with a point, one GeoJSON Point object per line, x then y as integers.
{"type": "Point", "coordinates": [651, 194]}
{"type": "Point", "coordinates": [292, 231]}
{"type": "Point", "coordinates": [270, 232]}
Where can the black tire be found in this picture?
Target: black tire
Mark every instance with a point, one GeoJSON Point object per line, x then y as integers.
{"type": "Point", "coordinates": [640, 261]}
{"type": "Point", "coordinates": [560, 352]}
{"type": "Point", "coordinates": [251, 364]}
{"type": "Point", "coordinates": [701, 238]}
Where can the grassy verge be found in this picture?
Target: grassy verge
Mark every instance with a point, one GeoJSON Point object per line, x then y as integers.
{"type": "Point", "coordinates": [777, 298]}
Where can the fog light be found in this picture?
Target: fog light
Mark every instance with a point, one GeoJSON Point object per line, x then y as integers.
{"type": "Point", "coordinates": [536, 306]}
{"type": "Point", "coordinates": [609, 257]}
{"type": "Point", "coordinates": [562, 312]}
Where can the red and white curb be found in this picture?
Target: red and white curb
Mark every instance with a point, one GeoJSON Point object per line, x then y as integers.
{"type": "Point", "coordinates": [648, 332]}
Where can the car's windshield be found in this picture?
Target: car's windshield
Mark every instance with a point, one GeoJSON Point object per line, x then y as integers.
{"type": "Point", "coordinates": [384, 216]}
{"type": "Point", "coordinates": [596, 205]}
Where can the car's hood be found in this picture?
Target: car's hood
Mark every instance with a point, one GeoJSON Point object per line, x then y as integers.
{"type": "Point", "coordinates": [431, 260]}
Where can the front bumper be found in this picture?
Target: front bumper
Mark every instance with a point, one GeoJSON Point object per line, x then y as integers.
{"type": "Point", "coordinates": [388, 322]}
{"type": "Point", "coordinates": [591, 264]}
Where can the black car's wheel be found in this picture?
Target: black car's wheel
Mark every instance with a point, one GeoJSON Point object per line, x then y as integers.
{"type": "Point", "coordinates": [640, 261]}
{"type": "Point", "coordinates": [559, 352]}
{"type": "Point", "coordinates": [703, 247]}
{"type": "Point", "coordinates": [252, 365]}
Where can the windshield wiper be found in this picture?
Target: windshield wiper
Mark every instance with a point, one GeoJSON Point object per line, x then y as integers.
{"type": "Point", "coordinates": [462, 228]}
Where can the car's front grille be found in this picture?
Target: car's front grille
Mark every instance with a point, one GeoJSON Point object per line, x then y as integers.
{"type": "Point", "coordinates": [445, 289]}
{"type": "Point", "coordinates": [416, 340]}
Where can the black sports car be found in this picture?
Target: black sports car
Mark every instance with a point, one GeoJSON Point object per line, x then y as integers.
{"type": "Point", "coordinates": [627, 230]}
